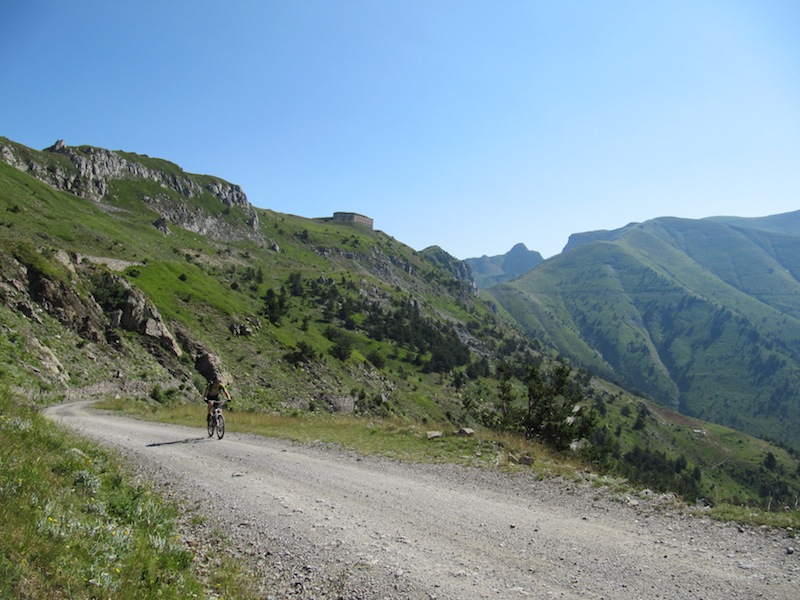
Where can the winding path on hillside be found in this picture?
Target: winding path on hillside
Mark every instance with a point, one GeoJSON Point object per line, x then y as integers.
{"type": "Point", "coordinates": [318, 522]}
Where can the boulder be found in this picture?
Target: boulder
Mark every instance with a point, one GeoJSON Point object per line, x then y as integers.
{"type": "Point", "coordinates": [140, 315]}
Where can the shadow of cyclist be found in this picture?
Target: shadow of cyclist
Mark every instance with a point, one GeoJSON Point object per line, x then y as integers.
{"type": "Point", "coordinates": [186, 441]}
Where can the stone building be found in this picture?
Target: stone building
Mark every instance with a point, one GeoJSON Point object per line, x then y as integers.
{"type": "Point", "coordinates": [351, 217]}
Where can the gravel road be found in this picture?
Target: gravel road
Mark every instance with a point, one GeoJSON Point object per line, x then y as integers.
{"type": "Point", "coordinates": [316, 522]}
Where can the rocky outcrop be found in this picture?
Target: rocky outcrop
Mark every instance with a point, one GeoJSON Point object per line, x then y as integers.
{"type": "Point", "coordinates": [31, 291]}
{"type": "Point", "coordinates": [460, 270]}
{"type": "Point", "coordinates": [240, 329]}
{"type": "Point", "coordinates": [109, 304]}
{"type": "Point", "coordinates": [94, 167]}
{"type": "Point", "coordinates": [208, 364]}
{"type": "Point", "coordinates": [49, 362]}
{"type": "Point", "coordinates": [82, 315]}
{"type": "Point", "coordinates": [193, 218]}
{"type": "Point", "coordinates": [229, 195]}
{"type": "Point", "coordinates": [138, 314]}
{"type": "Point", "coordinates": [161, 224]}
{"type": "Point", "coordinates": [86, 171]}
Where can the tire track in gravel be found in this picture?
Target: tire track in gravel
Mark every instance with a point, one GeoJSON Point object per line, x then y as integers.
{"type": "Point", "coordinates": [323, 523]}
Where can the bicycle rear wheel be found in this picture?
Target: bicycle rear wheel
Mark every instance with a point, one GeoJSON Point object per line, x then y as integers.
{"type": "Point", "coordinates": [220, 426]}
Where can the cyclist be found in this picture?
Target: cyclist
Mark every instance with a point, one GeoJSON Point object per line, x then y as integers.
{"type": "Point", "coordinates": [213, 390]}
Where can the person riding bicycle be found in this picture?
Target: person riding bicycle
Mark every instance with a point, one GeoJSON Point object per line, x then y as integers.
{"type": "Point", "coordinates": [213, 390]}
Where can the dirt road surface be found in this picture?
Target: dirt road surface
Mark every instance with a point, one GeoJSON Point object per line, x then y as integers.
{"type": "Point", "coordinates": [316, 522]}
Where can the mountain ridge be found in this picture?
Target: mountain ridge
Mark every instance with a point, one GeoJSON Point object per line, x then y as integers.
{"type": "Point", "coordinates": [740, 282]}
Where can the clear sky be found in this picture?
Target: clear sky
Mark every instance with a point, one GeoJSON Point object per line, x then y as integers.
{"type": "Point", "coordinates": [468, 125]}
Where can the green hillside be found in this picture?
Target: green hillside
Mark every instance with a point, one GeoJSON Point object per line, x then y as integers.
{"type": "Point", "coordinates": [701, 316]}
{"type": "Point", "coordinates": [122, 275]}
{"type": "Point", "coordinates": [295, 312]}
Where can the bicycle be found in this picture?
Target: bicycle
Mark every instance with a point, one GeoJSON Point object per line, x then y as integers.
{"type": "Point", "coordinates": [216, 421]}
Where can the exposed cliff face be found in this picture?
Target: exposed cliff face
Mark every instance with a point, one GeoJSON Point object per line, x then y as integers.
{"type": "Point", "coordinates": [140, 315]}
{"type": "Point", "coordinates": [33, 292]}
{"type": "Point", "coordinates": [30, 290]}
{"type": "Point", "coordinates": [87, 172]}
{"type": "Point", "coordinates": [194, 219]}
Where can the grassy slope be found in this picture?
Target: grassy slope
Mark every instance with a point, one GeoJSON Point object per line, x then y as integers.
{"type": "Point", "coordinates": [201, 284]}
{"type": "Point", "coordinates": [699, 320]}
{"type": "Point", "coordinates": [73, 524]}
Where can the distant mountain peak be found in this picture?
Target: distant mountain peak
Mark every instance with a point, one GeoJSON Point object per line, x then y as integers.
{"type": "Point", "coordinates": [489, 270]}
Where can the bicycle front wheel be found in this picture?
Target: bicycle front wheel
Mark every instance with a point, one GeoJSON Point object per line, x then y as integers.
{"type": "Point", "coordinates": [220, 426]}
{"type": "Point", "coordinates": [211, 421]}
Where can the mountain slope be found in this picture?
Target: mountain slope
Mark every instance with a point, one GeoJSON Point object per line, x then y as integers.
{"type": "Point", "coordinates": [144, 280]}
{"type": "Point", "coordinates": [702, 316]}
{"type": "Point", "coordinates": [294, 312]}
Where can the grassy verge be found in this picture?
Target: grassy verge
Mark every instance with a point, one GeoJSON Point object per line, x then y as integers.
{"type": "Point", "coordinates": [74, 525]}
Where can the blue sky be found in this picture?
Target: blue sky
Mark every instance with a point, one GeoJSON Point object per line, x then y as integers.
{"type": "Point", "coordinates": [468, 125]}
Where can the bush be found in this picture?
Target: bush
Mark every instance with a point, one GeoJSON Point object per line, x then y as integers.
{"type": "Point", "coordinates": [303, 353]}
{"type": "Point", "coordinates": [376, 358]}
